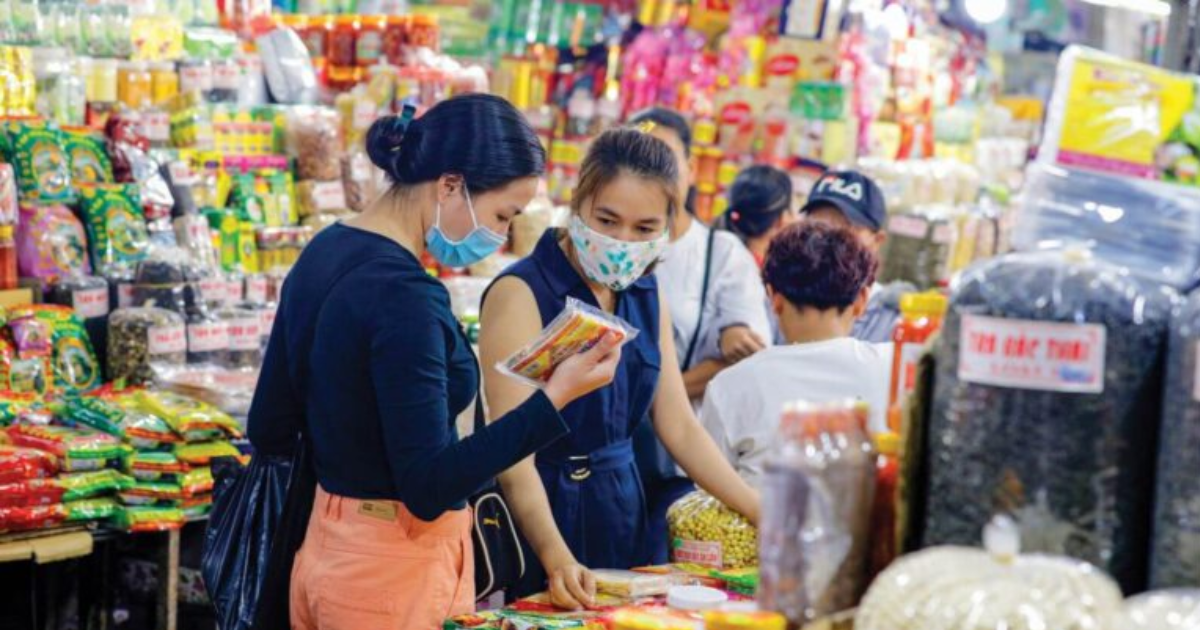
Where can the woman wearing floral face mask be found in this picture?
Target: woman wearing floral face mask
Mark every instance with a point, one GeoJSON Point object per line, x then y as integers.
{"type": "Point", "coordinates": [580, 502]}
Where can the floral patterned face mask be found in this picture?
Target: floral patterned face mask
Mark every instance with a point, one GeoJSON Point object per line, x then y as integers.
{"type": "Point", "coordinates": [613, 263]}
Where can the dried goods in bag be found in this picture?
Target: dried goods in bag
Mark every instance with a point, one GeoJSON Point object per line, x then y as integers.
{"type": "Point", "coordinates": [154, 466]}
{"type": "Point", "coordinates": [19, 463]}
{"type": "Point", "coordinates": [1172, 609]}
{"type": "Point", "coordinates": [190, 418]}
{"type": "Point", "coordinates": [141, 337]}
{"type": "Point", "coordinates": [21, 519]}
{"type": "Point", "coordinates": [90, 510]}
{"type": "Point", "coordinates": [704, 531]}
{"type": "Point", "coordinates": [314, 138]}
{"type": "Point", "coordinates": [88, 296]}
{"type": "Point", "coordinates": [116, 226]}
{"type": "Point", "coordinates": [576, 329]}
{"type": "Point", "coordinates": [1046, 406]}
{"type": "Point", "coordinates": [202, 454]}
{"type": "Point", "coordinates": [77, 449]}
{"type": "Point", "coordinates": [148, 519]}
{"type": "Point", "coordinates": [88, 156]}
{"type": "Point", "coordinates": [1175, 548]}
{"type": "Point", "coordinates": [51, 243]}
{"type": "Point", "coordinates": [35, 149]}
{"type": "Point", "coordinates": [55, 332]}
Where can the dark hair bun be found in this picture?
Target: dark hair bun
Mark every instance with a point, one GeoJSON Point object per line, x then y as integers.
{"type": "Point", "coordinates": [756, 199]}
{"type": "Point", "coordinates": [481, 137]}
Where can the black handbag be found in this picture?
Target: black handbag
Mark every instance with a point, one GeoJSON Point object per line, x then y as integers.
{"type": "Point", "coordinates": [499, 553]}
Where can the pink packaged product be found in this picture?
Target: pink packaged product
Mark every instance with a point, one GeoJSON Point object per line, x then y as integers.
{"type": "Point", "coordinates": [51, 243]}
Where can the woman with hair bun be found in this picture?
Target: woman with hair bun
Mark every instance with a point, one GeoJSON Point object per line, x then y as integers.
{"type": "Point", "coordinates": [367, 360]}
{"type": "Point", "coordinates": [760, 206]}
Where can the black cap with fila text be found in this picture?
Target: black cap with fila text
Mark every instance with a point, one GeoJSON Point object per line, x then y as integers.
{"type": "Point", "coordinates": [854, 194]}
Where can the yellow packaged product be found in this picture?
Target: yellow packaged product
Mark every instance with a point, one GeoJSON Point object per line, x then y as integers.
{"type": "Point", "coordinates": [576, 329]}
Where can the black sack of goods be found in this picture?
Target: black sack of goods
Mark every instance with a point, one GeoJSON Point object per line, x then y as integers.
{"type": "Point", "coordinates": [1175, 550]}
{"type": "Point", "coordinates": [1046, 408]}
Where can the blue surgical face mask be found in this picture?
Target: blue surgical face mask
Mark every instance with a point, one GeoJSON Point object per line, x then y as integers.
{"type": "Point", "coordinates": [478, 244]}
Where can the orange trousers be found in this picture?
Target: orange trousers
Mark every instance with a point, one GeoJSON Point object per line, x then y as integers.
{"type": "Point", "coordinates": [372, 565]}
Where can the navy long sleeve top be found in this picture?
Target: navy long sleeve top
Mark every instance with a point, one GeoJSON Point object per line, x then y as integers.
{"type": "Point", "coordinates": [367, 355]}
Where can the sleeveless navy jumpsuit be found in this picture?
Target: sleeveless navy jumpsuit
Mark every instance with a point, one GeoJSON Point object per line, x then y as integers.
{"type": "Point", "coordinates": [595, 491]}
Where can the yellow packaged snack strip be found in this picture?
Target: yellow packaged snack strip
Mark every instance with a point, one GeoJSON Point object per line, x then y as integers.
{"type": "Point", "coordinates": [575, 330]}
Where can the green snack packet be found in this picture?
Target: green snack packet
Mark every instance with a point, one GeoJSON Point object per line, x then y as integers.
{"type": "Point", "coordinates": [197, 481]}
{"type": "Point", "coordinates": [190, 418]}
{"type": "Point", "coordinates": [203, 454]}
{"type": "Point", "coordinates": [88, 157]}
{"type": "Point", "coordinates": [91, 509]}
{"type": "Point", "coordinates": [35, 149]}
{"type": "Point", "coordinates": [116, 226]}
{"type": "Point", "coordinates": [94, 413]}
{"type": "Point", "coordinates": [149, 519]}
{"type": "Point", "coordinates": [92, 484]}
{"type": "Point", "coordinates": [156, 490]}
{"type": "Point", "coordinates": [155, 466]}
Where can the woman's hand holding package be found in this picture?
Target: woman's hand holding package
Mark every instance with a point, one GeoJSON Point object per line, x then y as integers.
{"type": "Point", "coordinates": [572, 586]}
{"type": "Point", "coordinates": [585, 372]}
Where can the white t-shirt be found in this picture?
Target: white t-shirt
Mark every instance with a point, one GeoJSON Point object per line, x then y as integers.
{"type": "Point", "coordinates": [736, 295]}
{"type": "Point", "coordinates": [743, 404]}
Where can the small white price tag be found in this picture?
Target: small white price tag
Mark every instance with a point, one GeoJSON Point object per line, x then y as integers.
{"type": "Point", "coordinates": [168, 340]}
{"type": "Point", "coordinates": [245, 333]}
{"type": "Point", "coordinates": [90, 303]}
{"type": "Point", "coordinates": [207, 337]}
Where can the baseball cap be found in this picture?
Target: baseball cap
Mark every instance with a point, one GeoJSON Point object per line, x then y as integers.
{"type": "Point", "coordinates": [854, 194]}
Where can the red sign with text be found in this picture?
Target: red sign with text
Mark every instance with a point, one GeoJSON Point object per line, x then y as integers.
{"type": "Point", "coordinates": [1032, 355]}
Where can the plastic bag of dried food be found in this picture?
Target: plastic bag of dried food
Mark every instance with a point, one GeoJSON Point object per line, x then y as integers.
{"type": "Point", "coordinates": [1045, 407]}
{"type": "Point", "coordinates": [56, 331]}
{"type": "Point", "coordinates": [112, 416]}
{"type": "Point", "coordinates": [244, 329]}
{"type": "Point", "coordinates": [160, 279]}
{"type": "Point", "coordinates": [575, 330]}
{"type": "Point", "coordinates": [197, 482]}
{"type": "Point", "coordinates": [918, 248]}
{"type": "Point", "coordinates": [90, 510]}
{"type": "Point", "coordinates": [35, 148]}
{"type": "Point", "coordinates": [140, 337]}
{"type": "Point", "coordinates": [703, 531]}
{"type": "Point", "coordinates": [116, 226]}
{"type": "Point", "coordinates": [86, 295]}
{"type": "Point", "coordinates": [152, 493]}
{"type": "Point", "coordinates": [51, 243]}
{"type": "Point", "coordinates": [287, 67]}
{"type": "Point", "coordinates": [202, 454]}
{"type": "Point", "coordinates": [12, 404]}
{"type": "Point", "coordinates": [148, 519]}
{"type": "Point", "coordinates": [1175, 609]}
{"type": "Point", "coordinates": [319, 198]}
{"type": "Point", "coordinates": [314, 138]}
{"type": "Point", "coordinates": [155, 466]}
{"type": "Point", "coordinates": [31, 518]}
{"type": "Point", "coordinates": [630, 585]}
{"type": "Point", "coordinates": [229, 389]}
{"type": "Point", "coordinates": [1175, 548]}
{"type": "Point", "coordinates": [77, 449]}
{"type": "Point", "coordinates": [18, 463]}
{"type": "Point", "coordinates": [88, 155]}
{"type": "Point", "coordinates": [194, 420]}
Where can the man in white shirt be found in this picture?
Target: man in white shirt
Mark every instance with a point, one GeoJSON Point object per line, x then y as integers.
{"type": "Point", "coordinates": [819, 278]}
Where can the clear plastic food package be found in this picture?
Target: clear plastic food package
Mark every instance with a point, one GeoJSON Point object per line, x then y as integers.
{"type": "Point", "coordinates": [577, 329]}
{"type": "Point", "coordinates": [51, 243]}
{"type": "Point", "coordinates": [994, 589]}
{"type": "Point", "coordinates": [1174, 609]}
{"type": "Point", "coordinates": [705, 532]}
{"type": "Point", "coordinates": [817, 495]}
{"type": "Point", "coordinates": [1175, 547]}
{"type": "Point", "coordinates": [629, 584]}
{"type": "Point", "coordinates": [140, 337]}
{"type": "Point", "coordinates": [315, 139]}
{"type": "Point", "coordinates": [1045, 407]}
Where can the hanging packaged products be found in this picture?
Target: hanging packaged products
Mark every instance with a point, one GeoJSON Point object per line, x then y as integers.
{"type": "Point", "coordinates": [51, 243]}
{"type": "Point", "coordinates": [132, 164]}
{"type": "Point", "coordinates": [1049, 335]}
{"type": "Point", "coordinates": [19, 463]}
{"type": "Point", "coordinates": [116, 227]}
{"type": "Point", "coordinates": [287, 66]}
{"type": "Point", "coordinates": [138, 338]}
{"type": "Point", "coordinates": [1177, 511]}
{"type": "Point", "coordinates": [35, 148]}
{"type": "Point", "coordinates": [88, 156]}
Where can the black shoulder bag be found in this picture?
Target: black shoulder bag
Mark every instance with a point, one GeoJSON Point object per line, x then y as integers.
{"type": "Point", "coordinates": [499, 556]}
{"type": "Point", "coordinates": [708, 260]}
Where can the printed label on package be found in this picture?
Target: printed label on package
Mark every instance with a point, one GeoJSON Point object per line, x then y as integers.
{"type": "Point", "coordinates": [707, 554]}
{"type": "Point", "coordinates": [156, 126]}
{"type": "Point", "coordinates": [910, 356]}
{"type": "Point", "coordinates": [1032, 355]}
{"type": "Point", "coordinates": [212, 290]}
{"type": "Point", "coordinates": [329, 196]}
{"type": "Point", "coordinates": [233, 292]}
{"type": "Point", "coordinates": [124, 295]}
{"type": "Point", "coordinates": [168, 340]}
{"type": "Point", "coordinates": [911, 227]}
{"type": "Point", "coordinates": [245, 333]}
{"type": "Point", "coordinates": [207, 337]}
{"type": "Point", "coordinates": [256, 290]}
{"type": "Point", "coordinates": [90, 303]}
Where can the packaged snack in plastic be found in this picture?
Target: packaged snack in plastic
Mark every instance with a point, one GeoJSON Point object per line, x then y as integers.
{"type": "Point", "coordinates": [88, 155]}
{"type": "Point", "coordinates": [12, 404]}
{"type": "Point", "coordinates": [86, 295]}
{"type": "Point", "coordinates": [818, 492]}
{"type": "Point", "coordinates": [244, 330]}
{"type": "Point", "coordinates": [315, 198]}
{"type": "Point", "coordinates": [228, 389]}
{"type": "Point", "coordinates": [703, 531]}
{"type": "Point", "coordinates": [197, 482]}
{"type": "Point", "coordinates": [575, 330]}
{"type": "Point", "coordinates": [1175, 609]}
{"type": "Point", "coordinates": [141, 337]}
{"type": "Point", "coordinates": [314, 138]}
{"type": "Point", "coordinates": [155, 466]}
{"type": "Point", "coordinates": [30, 492]}
{"type": "Point", "coordinates": [20, 463]}
{"type": "Point", "coordinates": [152, 493]}
{"type": "Point", "coordinates": [287, 66]}
{"type": "Point", "coordinates": [77, 449]}
{"type": "Point", "coordinates": [202, 454]}
{"type": "Point", "coordinates": [116, 226]}
{"type": "Point", "coordinates": [149, 519]}
{"type": "Point", "coordinates": [1176, 508]}
{"type": "Point", "coordinates": [1049, 335]}
{"type": "Point", "coordinates": [161, 278]}
{"type": "Point", "coordinates": [35, 149]}
{"type": "Point", "coordinates": [55, 331]}
{"type": "Point", "coordinates": [90, 510]}
{"type": "Point", "coordinates": [140, 429]}
{"type": "Point", "coordinates": [991, 588]}
{"type": "Point", "coordinates": [744, 581]}
{"type": "Point", "coordinates": [92, 484]}
{"type": "Point", "coordinates": [94, 414]}
{"type": "Point", "coordinates": [630, 585]}
{"type": "Point", "coordinates": [195, 508]}
{"type": "Point", "coordinates": [918, 247]}
{"type": "Point", "coordinates": [192, 419]}
{"type": "Point", "coordinates": [51, 243]}
{"type": "Point", "coordinates": [132, 164]}
{"type": "Point", "coordinates": [20, 519]}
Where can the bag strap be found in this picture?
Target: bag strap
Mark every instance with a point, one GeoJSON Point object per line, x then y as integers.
{"type": "Point", "coordinates": [708, 260]}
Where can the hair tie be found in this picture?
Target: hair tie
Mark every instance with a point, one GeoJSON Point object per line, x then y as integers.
{"type": "Point", "coordinates": [401, 123]}
{"type": "Point", "coordinates": [735, 215]}
{"type": "Point", "coordinates": [646, 126]}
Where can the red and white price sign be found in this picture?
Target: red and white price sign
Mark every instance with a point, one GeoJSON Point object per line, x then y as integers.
{"type": "Point", "coordinates": [90, 303]}
{"type": "Point", "coordinates": [168, 340]}
{"type": "Point", "coordinates": [124, 295]}
{"type": "Point", "coordinates": [256, 289]}
{"type": "Point", "coordinates": [267, 321]}
{"type": "Point", "coordinates": [1032, 355]}
{"type": "Point", "coordinates": [245, 333]}
{"type": "Point", "coordinates": [207, 337]}
{"type": "Point", "coordinates": [233, 291]}
{"type": "Point", "coordinates": [212, 290]}
{"type": "Point", "coordinates": [329, 196]}
{"type": "Point", "coordinates": [156, 126]}
{"type": "Point", "coordinates": [708, 554]}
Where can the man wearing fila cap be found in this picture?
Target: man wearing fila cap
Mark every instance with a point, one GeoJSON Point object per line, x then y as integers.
{"type": "Point", "coordinates": [851, 200]}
